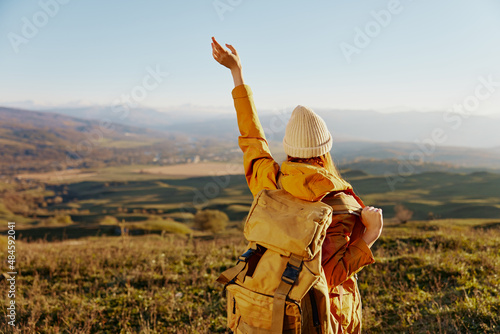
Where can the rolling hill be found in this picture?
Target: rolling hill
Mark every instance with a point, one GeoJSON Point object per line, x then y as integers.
{"type": "Point", "coordinates": [346, 125]}
{"type": "Point", "coordinates": [41, 141]}
{"type": "Point", "coordinates": [38, 141]}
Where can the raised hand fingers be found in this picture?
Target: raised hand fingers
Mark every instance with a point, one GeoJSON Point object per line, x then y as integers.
{"type": "Point", "coordinates": [228, 58]}
{"type": "Point", "coordinates": [233, 50]}
{"type": "Point", "coordinates": [218, 47]}
{"type": "Point", "coordinates": [215, 53]}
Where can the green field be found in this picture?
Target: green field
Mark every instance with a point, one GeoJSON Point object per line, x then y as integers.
{"type": "Point", "coordinates": [118, 251]}
{"type": "Point", "coordinates": [445, 195]}
{"type": "Point", "coordinates": [131, 196]}
{"type": "Point", "coordinates": [430, 277]}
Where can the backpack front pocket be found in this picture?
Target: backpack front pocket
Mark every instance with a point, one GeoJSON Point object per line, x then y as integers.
{"type": "Point", "coordinates": [249, 312]}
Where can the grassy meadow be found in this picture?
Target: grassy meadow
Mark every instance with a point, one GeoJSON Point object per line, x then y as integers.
{"type": "Point", "coordinates": [129, 194]}
{"type": "Point", "coordinates": [430, 277]}
{"type": "Point", "coordinates": [83, 269]}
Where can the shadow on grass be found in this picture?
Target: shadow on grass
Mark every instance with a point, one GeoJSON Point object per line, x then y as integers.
{"type": "Point", "coordinates": [77, 231]}
{"type": "Point", "coordinates": [59, 233]}
{"type": "Point", "coordinates": [488, 226]}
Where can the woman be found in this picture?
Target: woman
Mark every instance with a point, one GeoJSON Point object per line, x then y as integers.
{"type": "Point", "coordinates": [308, 174]}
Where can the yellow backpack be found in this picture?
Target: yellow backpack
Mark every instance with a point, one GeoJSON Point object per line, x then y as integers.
{"type": "Point", "coordinates": [278, 285]}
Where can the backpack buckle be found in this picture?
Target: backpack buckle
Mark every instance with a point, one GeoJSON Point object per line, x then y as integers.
{"type": "Point", "coordinates": [245, 256]}
{"type": "Point", "coordinates": [290, 274]}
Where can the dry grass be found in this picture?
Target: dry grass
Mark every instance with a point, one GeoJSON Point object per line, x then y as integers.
{"type": "Point", "coordinates": [429, 278]}
{"type": "Point", "coordinates": [196, 169]}
{"type": "Point", "coordinates": [58, 176]}
{"type": "Point", "coordinates": [134, 172]}
{"type": "Point", "coordinates": [144, 284]}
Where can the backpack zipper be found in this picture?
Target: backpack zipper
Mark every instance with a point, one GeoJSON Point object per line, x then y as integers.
{"type": "Point", "coordinates": [314, 307]}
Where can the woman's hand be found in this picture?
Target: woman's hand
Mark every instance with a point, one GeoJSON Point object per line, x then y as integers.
{"type": "Point", "coordinates": [372, 219]}
{"type": "Point", "coordinates": [229, 59]}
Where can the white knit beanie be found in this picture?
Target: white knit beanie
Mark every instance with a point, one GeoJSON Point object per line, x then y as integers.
{"type": "Point", "coordinates": [306, 134]}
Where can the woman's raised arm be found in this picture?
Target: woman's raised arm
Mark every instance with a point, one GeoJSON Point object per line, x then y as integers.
{"type": "Point", "coordinates": [260, 168]}
{"type": "Point", "coordinates": [230, 59]}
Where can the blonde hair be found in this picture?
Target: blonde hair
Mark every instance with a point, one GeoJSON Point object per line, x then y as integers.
{"type": "Point", "coordinates": [324, 161]}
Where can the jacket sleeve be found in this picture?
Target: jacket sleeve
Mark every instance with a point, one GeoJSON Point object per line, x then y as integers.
{"type": "Point", "coordinates": [341, 259]}
{"type": "Point", "coordinates": [260, 168]}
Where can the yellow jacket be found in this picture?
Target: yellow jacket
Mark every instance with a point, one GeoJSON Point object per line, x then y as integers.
{"type": "Point", "coordinates": [312, 183]}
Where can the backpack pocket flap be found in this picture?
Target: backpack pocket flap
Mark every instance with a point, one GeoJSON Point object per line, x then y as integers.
{"type": "Point", "coordinates": [280, 221]}
{"type": "Point", "coordinates": [254, 311]}
{"type": "Point", "coordinates": [264, 281]}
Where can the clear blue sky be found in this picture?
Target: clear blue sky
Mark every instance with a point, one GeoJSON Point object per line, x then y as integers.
{"type": "Point", "coordinates": [427, 57]}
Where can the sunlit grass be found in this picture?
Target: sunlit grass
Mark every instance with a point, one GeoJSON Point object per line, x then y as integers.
{"type": "Point", "coordinates": [430, 277]}
{"type": "Point", "coordinates": [122, 284]}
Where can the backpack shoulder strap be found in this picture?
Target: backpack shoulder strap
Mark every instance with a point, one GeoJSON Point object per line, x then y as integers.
{"type": "Point", "coordinates": [278, 179]}
{"type": "Point", "coordinates": [342, 203]}
{"type": "Point", "coordinates": [288, 279]}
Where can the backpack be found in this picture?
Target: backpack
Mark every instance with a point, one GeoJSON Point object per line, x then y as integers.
{"type": "Point", "coordinates": [278, 284]}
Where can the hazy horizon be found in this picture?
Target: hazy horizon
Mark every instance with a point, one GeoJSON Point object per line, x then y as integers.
{"type": "Point", "coordinates": [223, 110]}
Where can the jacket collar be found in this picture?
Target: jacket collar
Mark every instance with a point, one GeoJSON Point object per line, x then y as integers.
{"type": "Point", "coordinates": [308, 182]}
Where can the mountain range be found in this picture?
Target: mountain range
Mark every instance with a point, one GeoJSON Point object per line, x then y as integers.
{"type": "Point", "coordinates": [359, 136]}
{"type": "Point", "coordinates": [346, 125]}
{"type": "Point", "coordinates": [38, 141]}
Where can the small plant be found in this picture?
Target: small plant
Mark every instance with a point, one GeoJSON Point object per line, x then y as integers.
{"type": "Point", "coordinates": [211, 220]}
{"type": "Point", "coordinates": [58, 219]}
{"type": "Point", "coordinates": [109, 220]}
